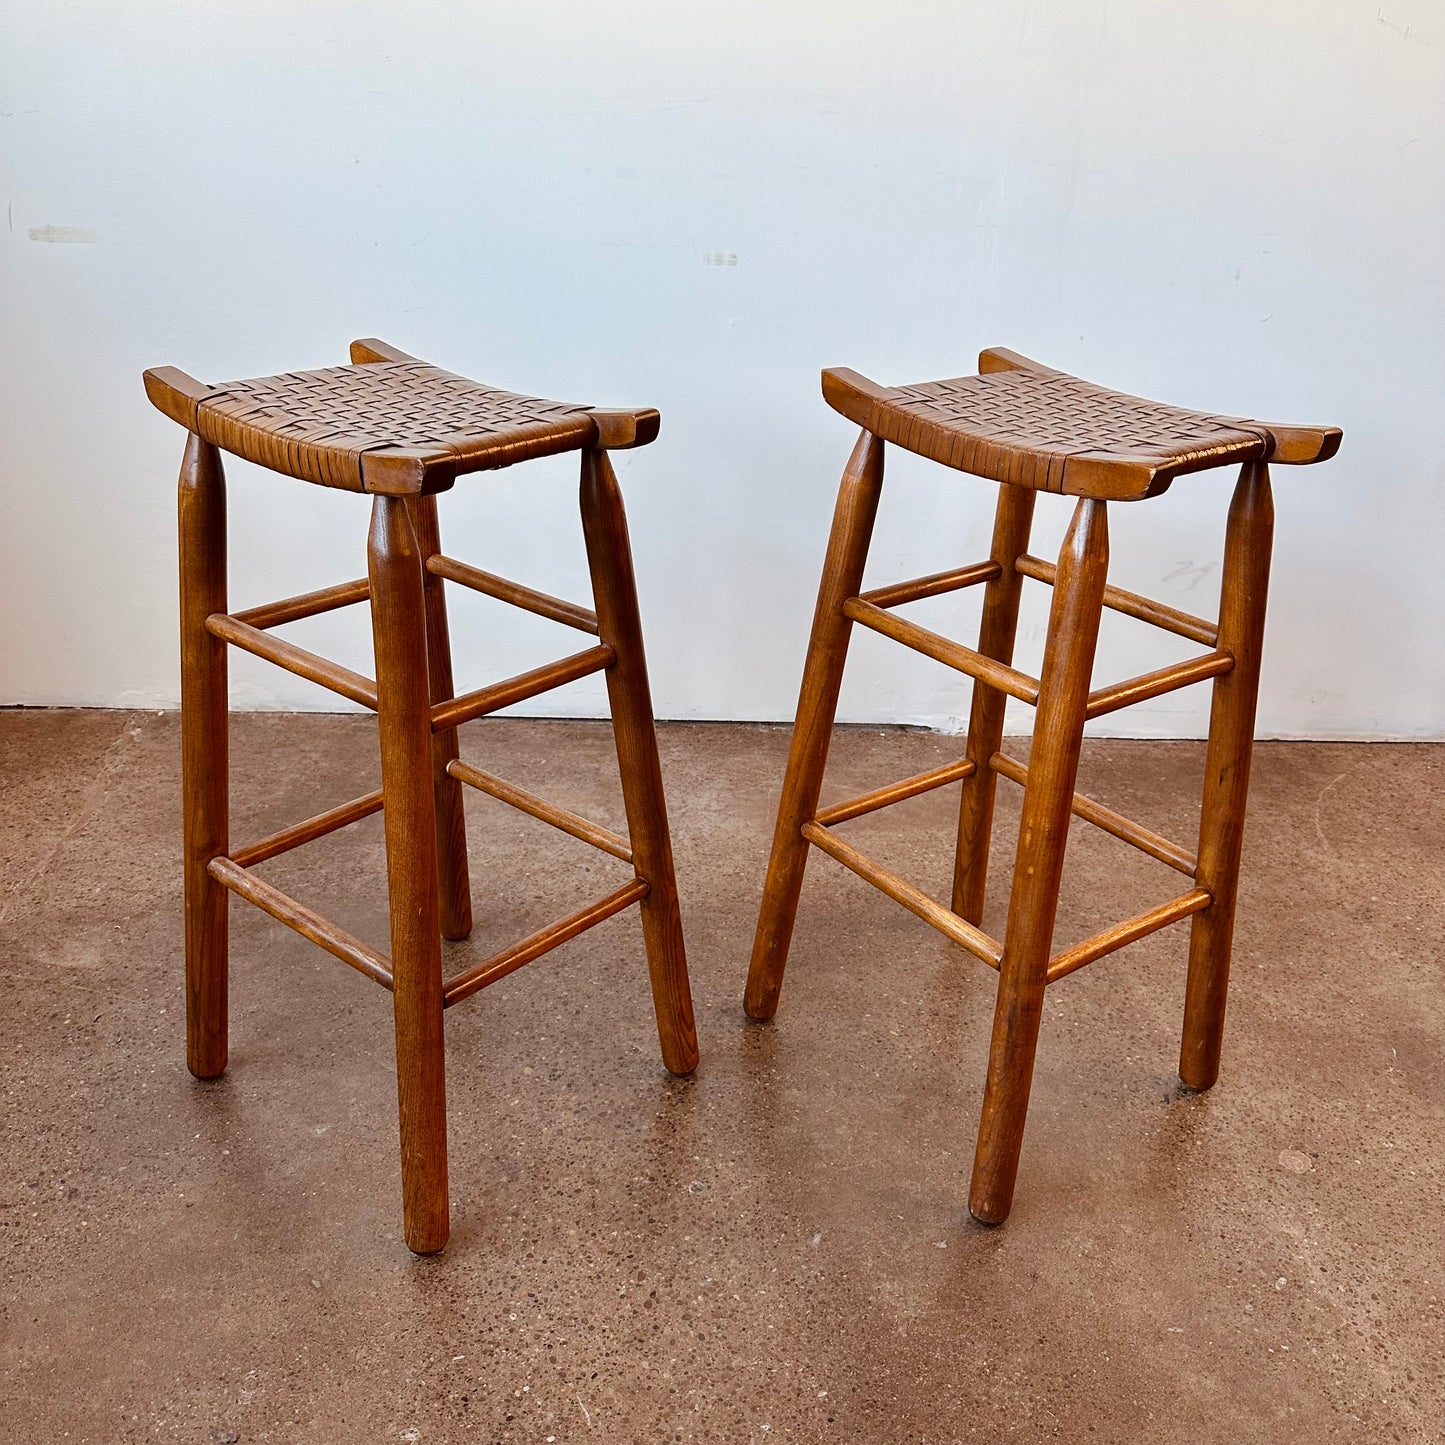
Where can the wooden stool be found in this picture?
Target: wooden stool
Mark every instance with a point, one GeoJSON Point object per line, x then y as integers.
{"type": "Point", "coordinates": [1032, 429]}
{"type": "Point", "coordinates": [401, 430]}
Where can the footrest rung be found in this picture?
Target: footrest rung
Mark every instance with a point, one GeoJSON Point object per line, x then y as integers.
{"type": "Point", "coordinates": [309, 831]}
{"type": "Point", "coordinates": [305, 921]}
{"type": "Point", "coordinates": [308, 604]}
{"type": "Point", "coordinates": [539, 808]}
{"type": "Point", "coordinates": [945, 650]}
{"type": "Point", "coordinates": [895, 793]}
{"type": "Point", "coordinates": [552, 608]}
{"type": "Point", "coordinates": [1158, 682]}
{"type": "Point", "coordinates": [934, 585]}
{"type": "Point", "coordinates": [1112, 939]}
{"type": "Point", "coordinates": [509, 960]}
{"type": "Point", "coordinates": [295, 659]}
{"type": "Point", "coordinates": [945, 920]}
{"type": "Point", "coordinates": [1125, 829]}
{"type": "Point", "coordinates": [471, 705]}
{"type": "Point", "coordinates": [1171, 619]}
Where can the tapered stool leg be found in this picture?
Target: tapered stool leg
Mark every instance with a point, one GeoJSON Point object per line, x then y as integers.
{"type": "Point", "coordinates": [853, 518]}
{"type": "Point", "coordinates": [614, 588]}
{"type": "Point", "coordinates": [204, 753]}
{"type": "Point", "coordinates": [451, 823]}
{"type": "Point", "coordinates": [1013, 521]}
{"type": "Point", "coordinates": [1043, 832]}
{"type": "Point", "coordinates": [1247, 548]}
{"type": "Point", "coordinates": [398, 610]}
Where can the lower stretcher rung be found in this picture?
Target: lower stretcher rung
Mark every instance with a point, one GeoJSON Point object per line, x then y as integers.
{"type": "Point", "coordinates": [309, 831]}
{"type": "Point", "coordinates": [895, 793]}
{"type": "Point", "coordinates": [918, 903]}
{"type": "Point", "coordinates": [543, 941]}
{"type": "Point", "coordinates": [541, 809]}
{"type": "Point", "coordinates": [1116, 824]}
{"type": "Point", "coordinates": [1112, 939]}
{"type": "Point", "coordinates": [518, 689]}
{"type": "Point", "coordinates": [305, 921]}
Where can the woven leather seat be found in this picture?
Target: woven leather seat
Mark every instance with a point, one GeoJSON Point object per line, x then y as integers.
{"type": "Point", "coordinates": [388, 426]}
{"type": "Point", "coordinates": [1025, 424]}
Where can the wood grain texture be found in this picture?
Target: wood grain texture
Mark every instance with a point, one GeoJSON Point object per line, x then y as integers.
{"type": "Point", "coordinates": [619, 625]}
{"type": "Point", "coordinates": [201, 514]}
{"type": "Point", "coordinates": [1043, 832]}
{"type": "Point", "coordinates": [1244, 590]}
{"type": "Point", "coordinates": [1012, 524]}
{"type": "Point", "coordinates": [451, 822]}
{"type": "Point", "coordinates": [404, 724]}
{"type": "Point", "coordinates": [853, 518]}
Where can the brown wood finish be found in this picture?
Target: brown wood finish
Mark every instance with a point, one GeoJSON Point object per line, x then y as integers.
{"type": "Point", "coordinates": [309, 604]}
{"type": "Point", "coordinates": [552, 608]}
{"type": "Point", "coordinates": [509, 960]}
{"type": "Point", "coordinates": [619, 625]}
{"type": "Point", "coordinates": [915, 900]}
{"type": "Point", "coordinates": [1243, 592]}
{"type": "Point", "coordinates": [895, 793]}
{"type": "Point", "coordinates": [305, 921]}
{"type": "Point", "coordinates": [1157, 683]}
{"type": "Point", "coordinates": [945, 650]}
{"type": "Point", "coordinates": [451, 821]}
{"type": "Point", "coordinates": [853, 519]}
{"type": "Point", "coordinates": [1114, 938]}
{"type": "Point", "coordinates": [1043, 833]}
{"type": "Point", "coordinates": [204, 753]}
{"type": "Point", "coordinates": [1013, 521]}
{"type": "Point", "coordinates": [542, 679]}
{"type": "Point", "coordinates": [320, 670]}
{"type": "Point", "coordinates": [936, 584]}
{"type": "Point", "coordinates": [404, 722]}
{"type": "Point", "coordinates": [1131, 604]}
{"type": "Point", "coordinates": [309, 831]}
{"type": "Point", "coordinates": [542, 810]}
{"type": "Point", "coordinates": [1125, 829]}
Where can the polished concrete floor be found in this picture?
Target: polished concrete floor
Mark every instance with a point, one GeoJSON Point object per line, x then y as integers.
{"type": "Point", "coordinates": [778, 1248]}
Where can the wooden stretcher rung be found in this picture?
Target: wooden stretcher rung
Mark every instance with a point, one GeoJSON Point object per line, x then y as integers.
{"type": "Point", "coordinates": [518, 689]}
{"type": "Point", "coordinates": [578, 827]}
{"type": "Point", "coordinates": [1171, 619]}
{"type": "Point", "coordinates": [934, 585]}
{"type": "Point", "coordinates": [294, 659]}
{"type": "Point", "coordinates": [309, 831]}
{"type": "Point", "coordinates": [1154, 684]}
{"type": "Point", "coordinates": [1113, 939]}
{"type": "Point", "coordinates": [1125, 829]}
{"type": "Point", "coordinates": [554, 608]}
{"type": "Point", "coordinates": [895, 793]}
{"type": "Point", "coordinates": [509, 960]}
{"type": "Point", "coordinates": [309, 924]}
{"type": "Point", "coordinates": [309, 604]}
{"type": "Point", "coordinates": [945, 920]}
{"type": "Point", "coordinates": [942, 649]}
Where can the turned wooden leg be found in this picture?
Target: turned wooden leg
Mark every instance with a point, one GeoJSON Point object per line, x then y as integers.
{"type": "Point", "coordinates": [205, 785]}
{"type": "Point", "coordinates": [1012, 523]}
{"type": "Point", "coordinates": [1043, 832]}
{"type": "Point", "coordinates": [609, 558]}
{"type": "Point", "coordinates": [1226, 771]}
{"type": "Point", "coordinates": [398, 611]}
{"type": "Point", "coordinates": [451, 822]}
{"type": "Point", "coordinates": [853, 519]}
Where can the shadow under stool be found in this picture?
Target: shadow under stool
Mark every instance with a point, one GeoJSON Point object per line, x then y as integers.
{"type": "Point", "coordinates": [402, 431]}
{"type": "Point", "coordinates": [1032, 429]}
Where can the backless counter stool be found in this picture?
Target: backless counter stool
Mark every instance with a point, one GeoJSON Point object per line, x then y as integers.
{"type": "Point", "coordinates": [402, 430]}
{"type": "Point", "coordinates": [1032, 429]}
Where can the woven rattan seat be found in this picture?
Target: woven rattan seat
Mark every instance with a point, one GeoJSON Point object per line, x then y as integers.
{"type": "Point", "coordinates": [393, 427]}
{"type": "Point", "coordinates": [1025, 424]}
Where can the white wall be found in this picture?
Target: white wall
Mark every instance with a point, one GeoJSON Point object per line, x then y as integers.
{"type": "Point", "coordinates": [1222, 203]}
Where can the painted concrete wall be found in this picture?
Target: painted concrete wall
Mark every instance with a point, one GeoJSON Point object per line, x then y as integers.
{"type": "Point", "coordinates": [696, 206]}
